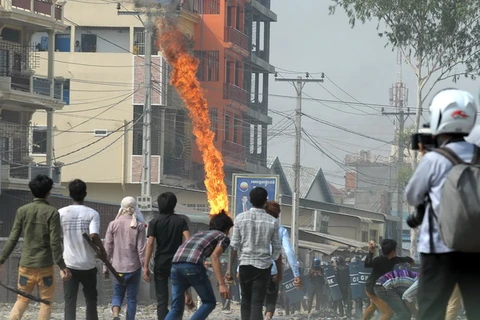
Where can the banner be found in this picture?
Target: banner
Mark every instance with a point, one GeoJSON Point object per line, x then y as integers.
{"type": "Point", "coordinates": [354, 285]}
{"type": "Point", "coordinates": [363, 274]}
{"type": "Point", "coordinates": [294, 295]}
{"type": "Point", "coordinates": [332, 282]}
{"type": "Point", "coordinates": [244, 183]}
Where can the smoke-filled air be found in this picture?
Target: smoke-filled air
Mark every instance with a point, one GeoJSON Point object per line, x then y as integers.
{"type": "Point", "coordinates": [183, 78]}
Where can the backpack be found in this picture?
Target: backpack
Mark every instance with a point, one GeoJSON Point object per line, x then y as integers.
{"type": "Point", "coordinates": [459, 216]}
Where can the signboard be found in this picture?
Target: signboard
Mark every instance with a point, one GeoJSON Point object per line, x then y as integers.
{"type": "Point", "coordinates": [244, 183]}
{"type": "Point", "coordinates": [332, 282]}
{"type": "Point", "coordinates": [354, 285]}
{"type": "Point", "coordinates": [363, 274]}
{"type": "Point", "coordinates": [294, 295]}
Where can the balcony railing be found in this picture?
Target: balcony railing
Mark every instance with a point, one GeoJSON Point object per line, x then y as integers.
{"type": "Point", "coordinates": [40, 7]}
{"type": "Point", "coordinates": [231, 91]}
{"type": "Point", "coordinates": [234, 151]}
{"type": "Point", "coordinates": [237, 37]}
{"type": "Point", "coordinates": [27, 172]}
{"type": "Point", "coordinates": [25, 82]}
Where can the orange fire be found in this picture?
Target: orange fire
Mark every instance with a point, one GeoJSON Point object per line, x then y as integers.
{"type": "Point", "coordinates": [184, 79]}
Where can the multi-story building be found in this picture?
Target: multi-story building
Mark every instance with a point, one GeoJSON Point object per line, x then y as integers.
{"type": "Point", "coordinates": [232, 41]}
{"type": "Point", "coordinates": [99, 135]}
{"type": "Point", "coordinates": [24, 91]}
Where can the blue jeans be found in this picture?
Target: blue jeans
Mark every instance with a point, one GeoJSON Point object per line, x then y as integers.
{"type": "Point", "coordinates": [184, 276]}
{"type": "Point", "coordinates": [131, 289]}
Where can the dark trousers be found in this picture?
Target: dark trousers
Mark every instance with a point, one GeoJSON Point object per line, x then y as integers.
{"type": "Point", "coordinates": [161, 292]}
{"type": "Point", "coordinates": [438, 275]}
{"type": "Point", "coordinates": [271, 297]}
{"type": "Point", "coordinates": [88, 279]}
{"type": "Point", "coordinates": [343, 304]}
{"type": "Point", "coordinates": [314, 292]}
{"type": "Point", "coordinates": [393, 298]}
{"type": "Point", "coordinates": [254, 283]}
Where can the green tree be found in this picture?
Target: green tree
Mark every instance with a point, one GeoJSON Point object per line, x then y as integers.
{"type": "Point", "coordinates": [439, 40]}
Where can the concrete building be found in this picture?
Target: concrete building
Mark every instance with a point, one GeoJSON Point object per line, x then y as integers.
{"type": "Point", "coordinates": [25, 90]}
{"type": "Point", "coordinates": [98, 137]}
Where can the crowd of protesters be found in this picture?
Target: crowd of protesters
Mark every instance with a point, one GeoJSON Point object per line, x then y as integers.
{"type": "Point", "coordinates": [446, 281]}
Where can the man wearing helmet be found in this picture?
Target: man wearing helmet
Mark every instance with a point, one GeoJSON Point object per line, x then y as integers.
{"type": "Point", "coordinates": [453, 115]}
{"type": "Point", "coordinates": [317, 282]}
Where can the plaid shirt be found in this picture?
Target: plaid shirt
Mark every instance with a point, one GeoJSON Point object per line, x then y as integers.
{"type": "Point", "coordinates": [201, 246]}
{"type": "Point", "coordinates": [253, 233]}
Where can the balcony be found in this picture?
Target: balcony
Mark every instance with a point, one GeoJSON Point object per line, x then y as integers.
{"type": "Point", "coordinates": [16, 176]}
{"type": "Point", "coordinates": [21, 87]}
{"type": "Point", "coordinates": [232, 92]}
{"type": "Point", "coordinates": [36, 13]}
{"type": "Point", "coordinates": [237, 38]}
{"type": "Point", "coordinates": [263, 7]}
{"type": "Point", "coordinates": [234, 154]}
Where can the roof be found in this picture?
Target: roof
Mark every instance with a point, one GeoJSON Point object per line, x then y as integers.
{"type": "Point", "coordinates": [322, 248]}
{"type": "Point", "coordinates": [341, 240]}
{"type": "Point", "coordinates": [273, 163]}
{"type": "Point", "coordinates": [335, 191]}
{"type": "Point", "coordinates": [308, 177]}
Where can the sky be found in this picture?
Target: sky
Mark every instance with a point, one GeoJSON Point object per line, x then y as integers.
{"type": "Point", "coordinates": [359, 69]}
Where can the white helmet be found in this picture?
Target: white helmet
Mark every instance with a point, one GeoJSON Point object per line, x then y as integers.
{"type": "Point", "coordinates": [452, 111]}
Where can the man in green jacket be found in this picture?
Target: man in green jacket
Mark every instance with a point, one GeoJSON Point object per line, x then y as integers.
{"type": "Point", "coordinates": [42, 247]}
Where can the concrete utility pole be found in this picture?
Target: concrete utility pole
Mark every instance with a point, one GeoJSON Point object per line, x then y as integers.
{"type": "Point", "coordinates": [298, 83]}
{"type": "Point", "coordinates": [145, 199]}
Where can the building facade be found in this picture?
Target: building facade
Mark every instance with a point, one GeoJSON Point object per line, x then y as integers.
{"type": "Point", "coordinates": [26, 92]}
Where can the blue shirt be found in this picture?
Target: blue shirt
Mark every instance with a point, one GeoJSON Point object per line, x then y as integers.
{"type": "Point", "coordinates": [288, 250]}
{"type": "Point", "coordinates": [429, 178]}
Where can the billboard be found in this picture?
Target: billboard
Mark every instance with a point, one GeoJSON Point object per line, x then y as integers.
{"type": "Point", "coordinates": [244, 183]}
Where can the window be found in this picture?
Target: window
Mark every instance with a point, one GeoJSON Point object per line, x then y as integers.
{"type": "Point", "coordinates": [66, 91]}
{"type": "Point", "coordinates": [62, 42]}
{"type": "Point", "coordinates": [138, 130]}
{"type": "Point", "coordinates": [214, 122]}
{"type": "Point", "coordinates": [373, 235]}
{"type": "Point", "coordinates": [4, 65]}
{"type": "Point", "coordinates": [13, 35]}
{"type": "Point", "coordinates": [39, 140]}
{"type": "Point", "coordinates": [364, 236]}
{"type": "Point", "coordinates": [89, 42]}
{"type": "Point", "coordinates": [227, 128]}
{"type": "Point", "coordinates": [208, 68]}
{"type": "Point", "coordinates": [100, 132]}
{"type": "Point", "coordinates": [209, 6]}
{"type": "Point", "coordinates": [237, 131]}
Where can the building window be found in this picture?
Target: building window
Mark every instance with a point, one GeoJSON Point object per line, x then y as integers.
{"type": "Point", "coordinates": [208, 68]}
{"type": "Point", "coordinates": [39, 140]}
{"type": "Point", "coordinates": [364, 236]}
{"type": "Point", "coordinates": [214, 122]}
{"type": "Point", "coordinates": [12, 35]}
{"type": "Point", "coordinates": [227, 128]}
{"type": "Point", "coordinates": [209, 6]}
{"type": "Point", "coordinates": [66, 91]}
{"type": "Point", "coordinates": [89, 42]}
{"type": "Point", "coordinates": [100, 132]}
{"type": "Point", "coordinates": [237, 131]}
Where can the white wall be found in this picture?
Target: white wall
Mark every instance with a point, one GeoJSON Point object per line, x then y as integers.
{"type": "Point", "coordinates": [117, 39]}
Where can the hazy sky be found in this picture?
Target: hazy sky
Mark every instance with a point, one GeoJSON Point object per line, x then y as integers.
{"type": "Point", "coordinates": [307, 39]}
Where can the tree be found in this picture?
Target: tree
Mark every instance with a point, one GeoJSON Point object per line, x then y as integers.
{"type": "Point", "coordinates": [439, 40]}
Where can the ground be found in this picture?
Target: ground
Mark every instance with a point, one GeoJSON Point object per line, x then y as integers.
{"type": "Point", "coordinates": [146, 312]}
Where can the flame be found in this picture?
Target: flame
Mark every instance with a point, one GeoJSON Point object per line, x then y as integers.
{"type": "Point", "coordinates": [183, 78]}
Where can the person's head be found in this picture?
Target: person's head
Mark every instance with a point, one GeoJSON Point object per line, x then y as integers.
{"type": "Point", "coordinates": [316, 263]}
{"type": "Point", "coordinates": [453, 114]}
{"type": "Point", "coordinates": [258, 197]}
{"type": "Point", "coordinates": [128, 205]}
{"type": "Point", "coordinates": [77, 43]}
{"type": "Point", "coordinates": [389, 248]}
{"type": "Point", "coordinates": [244, 199]}
{"type": "Point", "coordinates": [221, 222]}
{"type": "Point", "coordinates": [273, 209]}
{"type": "Point", "coordinates": [78, 190]}
{"type": "Point", "coordinates": [40, 186]}
{"type": "Point", "coordinates": [166, 202]}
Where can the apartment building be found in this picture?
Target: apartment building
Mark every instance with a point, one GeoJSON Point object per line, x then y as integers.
{"type": "Point", "coordinates": [25, 91]}
{"type": "Point", "coordinates": [100, 55]}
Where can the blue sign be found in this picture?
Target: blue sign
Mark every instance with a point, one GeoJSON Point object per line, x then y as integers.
{"type": "Point", "coordinates": [363, 274]}
{"type": "Point", "coordinates": [332, 282]}
{"type": "Point", "coordinates": [354, 285]}
{"type": "Point", "coordinates": [293, 294]}
{"type": "Point", "coordinates": [245, 183]}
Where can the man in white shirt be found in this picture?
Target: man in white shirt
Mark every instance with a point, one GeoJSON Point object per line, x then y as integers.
{"type": "Point", "coordinates": [80, 258]}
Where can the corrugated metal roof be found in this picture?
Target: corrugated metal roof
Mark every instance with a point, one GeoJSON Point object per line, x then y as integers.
{"type": "Point", "coordinates": [323, 248]}
{"type": "Point", "coordinates": [308, 176]}
{"type": "Point", "coordinates": [341, 240]}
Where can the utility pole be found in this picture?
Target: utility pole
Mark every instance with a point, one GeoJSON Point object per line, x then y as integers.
{"type": "Point", "coordinates": [145, 199]}
{"type": "Point", "coordinates": [399, 99]}
{"type": "Point", "coordinates": [298, 83]}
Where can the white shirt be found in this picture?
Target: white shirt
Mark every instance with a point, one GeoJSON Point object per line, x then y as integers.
{"type": "Point", "coordinates": [429, 178]}
{"type": "Point", "coordinates": [76, 220]}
